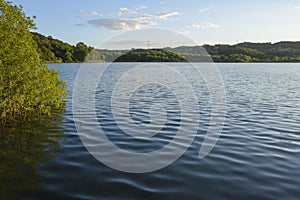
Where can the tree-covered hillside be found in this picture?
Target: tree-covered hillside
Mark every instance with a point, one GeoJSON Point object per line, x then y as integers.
{"type": "Point", "coordinates": [150, 55]}
{"type": "Point", "coordinates": [54, 50]}
{"type": "Point", "coordinates": [244, 52]}
{"type": "Point", "coordinates": [104, 55]}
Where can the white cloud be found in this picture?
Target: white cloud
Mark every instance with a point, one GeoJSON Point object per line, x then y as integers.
{"type": "Point", "coordinates": [120, 24]}
{"type": "Point", "coordinates": [136, 15]}
{"type": "Point", "coordinates": [129, 19]}
{"type": "Point", "coordinates": [165, 15]}
{"type": "Point", "coordinates": [159, 16]}
{"type": "Point", "coordinates": [144, 16]}
{"type": "Point", "coordinates": [125, 10]}
{"type": "Point", "coordinates": [89, 13]}
{"type": "Point", "coordinates": [298, 7]}
{"type": "Point", "coordinates": [205, 25]}
{"type": "Point", "coordinates": [205, 9]}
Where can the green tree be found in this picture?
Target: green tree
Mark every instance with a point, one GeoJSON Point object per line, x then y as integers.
{"type": "Point", "coordinates": [26, 84]}
{"type": "Point", "coordinates": [80, 52]}
{"type": "Point", "coordinates": [68, 57]}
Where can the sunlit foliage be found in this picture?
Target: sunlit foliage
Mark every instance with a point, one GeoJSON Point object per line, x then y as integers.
{"type": "Point", "coordinates": [26, 84]}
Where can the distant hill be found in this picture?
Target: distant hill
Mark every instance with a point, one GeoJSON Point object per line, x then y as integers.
{"type": "Point", "coordinates": [244, 52]}
{"type": "Point", "coordinates": [150, 55]}
{"type": "Point", "coordinates": [54, 50]}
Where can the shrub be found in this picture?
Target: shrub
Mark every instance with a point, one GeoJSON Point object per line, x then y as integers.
{"type": "Point", "coordinates": [26, 84]}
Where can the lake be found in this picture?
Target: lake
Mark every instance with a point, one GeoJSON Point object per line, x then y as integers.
{"type": "Point", "coordinates": [257, 155]}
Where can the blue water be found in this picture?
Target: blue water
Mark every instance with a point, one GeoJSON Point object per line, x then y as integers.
{"type": "Point", "coordinates": [256, 157]}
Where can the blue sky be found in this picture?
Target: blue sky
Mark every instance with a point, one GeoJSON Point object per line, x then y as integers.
{"type": "Point", "coordinates": [209, 22]}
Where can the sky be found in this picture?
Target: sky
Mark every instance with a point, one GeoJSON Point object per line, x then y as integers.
{"type": "Point", "coordinates": [202, 21]}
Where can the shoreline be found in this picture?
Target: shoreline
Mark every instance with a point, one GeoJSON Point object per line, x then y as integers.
{"type": "Point", "coordinates": [181, 62]}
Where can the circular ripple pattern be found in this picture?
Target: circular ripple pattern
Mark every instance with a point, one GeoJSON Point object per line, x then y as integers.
{"type": "Point", "coordinates": [123, 86]}
{"type": "Point", "coordinates": [256, 157]}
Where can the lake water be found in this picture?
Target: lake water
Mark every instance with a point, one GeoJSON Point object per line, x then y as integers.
{"type": "Point", "coordinates": [257, 156]}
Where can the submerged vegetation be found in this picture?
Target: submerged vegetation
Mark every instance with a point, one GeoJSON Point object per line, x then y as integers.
{"type": "Point", "coordinates": [26, 84]}
{"type": "Point", "coordinates": [22, 148]}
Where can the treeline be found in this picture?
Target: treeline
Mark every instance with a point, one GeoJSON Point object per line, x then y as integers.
{"type": "Point", "coordinates": [243, 52]}
{"type": "Point", "coordinates": [104, 55]}
{"type": "Point", "coordinates": [150, 55]}
{"type": "Point", "coordinates": [53, 50]}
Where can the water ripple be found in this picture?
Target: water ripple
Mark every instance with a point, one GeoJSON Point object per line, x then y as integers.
{"type": "Point", "coordinates": [256, 157]}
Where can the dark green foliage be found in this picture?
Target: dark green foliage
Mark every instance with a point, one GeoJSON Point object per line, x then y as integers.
{"type": "Point", "coordinates": [26, 84]}
{"type": "Point", "coordinates": [53, 50]}
{"type": "Point", "coordinates": [80, 52]}
{"type": "Point", "coordinates": [151, 55]}
{"type": "Point", "coordinates": [244, 52]}
{"type": "Point", "coordinates": [104, 55]}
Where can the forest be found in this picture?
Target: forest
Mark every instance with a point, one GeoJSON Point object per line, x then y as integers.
{"type": "Point", "coordinates": [56, 51]}
{"type": "Point", "coordinates": [53, 50]}
{"type": "Point", "coordinates": [244, 52]}
{"type": "Point", "coordinates": [150, 55]}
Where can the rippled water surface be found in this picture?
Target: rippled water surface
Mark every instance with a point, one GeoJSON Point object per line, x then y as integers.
{"type": "Point", "coordinates": [256, 157]}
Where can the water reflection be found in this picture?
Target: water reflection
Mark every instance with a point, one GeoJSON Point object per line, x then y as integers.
{"type": "Point", "coordinates": [256, 157]}
{"type": "Point", "coordinates": [22, 147]}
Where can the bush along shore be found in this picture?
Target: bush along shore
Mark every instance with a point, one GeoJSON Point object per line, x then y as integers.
{"type": "Point", "coordinates": [27, 86]}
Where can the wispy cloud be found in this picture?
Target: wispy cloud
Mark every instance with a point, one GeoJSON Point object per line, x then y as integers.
{"type": "Point", "coordinates": [298, 7]}
{"type": "Point", "coordinates": [165, 15]}
{"type": "Point", "coordinates": [89, 13]}
{"type": "Point", "coordinates": [205, 25]}
{"type": "Point", "coordinates": [159, 16]}
{"type": "Point", "coordinates": [120, 24]}
{"type": "Point", "coordinates": [136, 15]}
{"type": "Point", "coordinates": [124, 11]}
{"type": "Point", "coordinates": [204, 9]}
{"type": "Point", "coordinates": [129, 19]}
